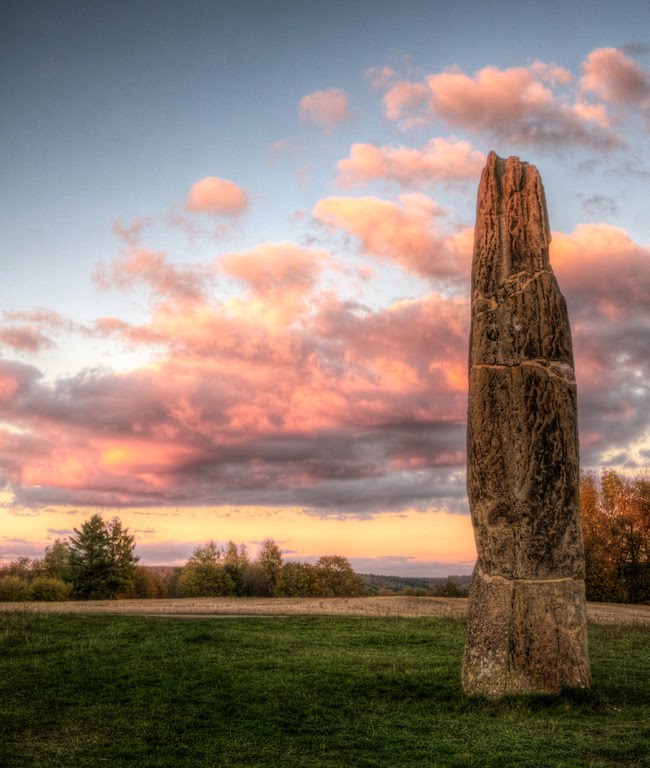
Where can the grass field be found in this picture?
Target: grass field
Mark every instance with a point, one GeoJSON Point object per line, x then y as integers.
{"type": "Point", "coordinates": [297, 691]}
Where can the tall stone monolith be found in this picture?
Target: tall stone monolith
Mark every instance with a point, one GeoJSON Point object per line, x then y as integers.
{"type": "Point", "coordinates": [527, 630]}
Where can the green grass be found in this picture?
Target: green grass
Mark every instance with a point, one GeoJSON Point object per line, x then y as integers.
{"type": "Point", "coordinates": [134, 691]}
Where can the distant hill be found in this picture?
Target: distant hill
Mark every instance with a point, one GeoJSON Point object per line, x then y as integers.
{"type": "Point", "coordinates": [451, 586]}
{"type": "Point", "coordinates": [375, 584]}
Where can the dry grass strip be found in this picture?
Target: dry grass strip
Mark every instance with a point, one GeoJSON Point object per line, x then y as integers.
{"type": "Point", "coordinates": [599, 613]}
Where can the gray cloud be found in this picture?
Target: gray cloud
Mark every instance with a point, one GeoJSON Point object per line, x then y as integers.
{"type": "Point", "coordinates": [600, 206]}
{"type": "Point", "coordinates": [635, 48]}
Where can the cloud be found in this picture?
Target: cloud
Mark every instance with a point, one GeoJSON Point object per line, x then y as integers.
{"type": "Point", "coordinates": [340, 410]}
{"type": "Point", "coordinates": [606, 273]}
{"type": "Point", "coordinates": [380, 77]}
{"type": "Point", "coordinates": [281, 277]}
{"type": "Point", "coordinates": [408, 232]}
{"type": "Point", "coordinates": [612, 76]}
{"type": "Point", "coordinates": [131, 233]}
{"type": "Point", "coordinates": [276, 267]}
{"type": "Point", "coordinates": [166, 552]}
{"type": "Point", "coordinates": [326, 108]}
{"type": "Point", "coordinates": [522, 105]}
{"type": "Point", "coordinates": [10, 549]}
{"type": "Point", "coordinates": [635, 48]}
{"type": "Point", "coordinates": [605, 277]}
{"type": "Point", "coordinates": [600, 206]}
{"type": "Point", "coordinates": [187, 282]}
{"type": "Point", "coordinates": [443, 161]}
{"type": "Point", "coordinates": [403, 99]}
{"type": "Point", "coordinates": [16, 379]}
{"type": "Point", "coordinates": [24, 338]}
{"type": "Point", "coordinates": [216, 196]}
{"type": "Point", "coordinates": [289, 393]}
{"type": "Point", "coordinates": [32, 331]}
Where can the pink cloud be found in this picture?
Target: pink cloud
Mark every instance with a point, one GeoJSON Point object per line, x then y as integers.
{"type": "Point", "coordinates": [238, 407]}
{"type": "Point", "coordinates": [289, 393]}
{"type": "Point", "coordinates": [24, 338]}
{"type": "Point", "coordinates": [32, 331]}
{"type": "Point", "coordinates": [380, 77]}
{"type": "Point", "coordinates": [216, 196]}
{"type": "Point", "coordinates": [187, 282]}
{"type": "Point", "coordinates": [605, 277]}
{"type": "Point", "coordinates": [404, 96]}
{"type": "Point", "coordinates": [612, 76]}
{"type": "Point", "coordinates": [326, 108]}
{"type": "Point", "coordinates": [281, 276]}
{"type": "Point", "coordinates": [130, 233]}
{"type": "Point", "coordinates": [8, 386]}
{"type": "Point", "coordinates": [441, 160]}
{"type": "Point", "coordinates": [38, 316]}
{"type": "Point", "coordinates": [551, 73]}
{"type": "Point", "coordinates": [518, 104]}
{"type": "Point", "coordinates": [408, 232]}
{"type": "Point", "coordinates": [275, 267]}
{"type": "Point", "coordinates": [603, 270]}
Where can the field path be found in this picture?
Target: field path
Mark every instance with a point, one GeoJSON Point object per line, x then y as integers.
{"type": "Point", "coordinates": [219, 607]}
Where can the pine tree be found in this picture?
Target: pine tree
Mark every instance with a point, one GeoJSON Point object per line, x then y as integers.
{"type": "Point", "coordinates": [90, 564]}
{"type": "Point", "coordinates": [102, 563]}
{"type": "Point", "coordinates": [120, 546]}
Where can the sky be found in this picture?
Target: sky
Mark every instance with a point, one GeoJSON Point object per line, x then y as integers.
{"type": "Point", "coordinates": [236, 239]}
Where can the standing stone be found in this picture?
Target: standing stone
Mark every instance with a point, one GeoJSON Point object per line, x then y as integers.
{"type": "Point", "coordinates": [527, 630]}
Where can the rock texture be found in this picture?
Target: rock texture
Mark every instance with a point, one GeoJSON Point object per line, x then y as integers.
{"type": "Point", "coordinates": [527, 615]}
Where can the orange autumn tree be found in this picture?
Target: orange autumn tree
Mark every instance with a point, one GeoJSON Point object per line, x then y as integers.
{"type": "Point", "coordinates": [615, 512]}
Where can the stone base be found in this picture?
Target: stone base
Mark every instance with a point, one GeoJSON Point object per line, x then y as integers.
{"type": "Point", "coordinates": [525, 636]}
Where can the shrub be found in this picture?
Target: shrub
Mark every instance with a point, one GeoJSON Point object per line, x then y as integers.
{"type": "Point", "coordinates": [416, 592]}
{"type": "Point", "coordinates": [205, 580]}
{"type": "Point", "coordinates": [49, 589]}
{"type": "Point", "coordinates": [147, 583]}
{"type": "Point", "coordinates": [299, 580]}
{"type": "Point", "coordinates": [336, 577]}
{"type": "Point", "coordinates": [450, 588]}
{"type": "Point", "coordinates": [13, 589]}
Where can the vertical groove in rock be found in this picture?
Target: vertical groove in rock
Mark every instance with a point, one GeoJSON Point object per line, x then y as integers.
{"type": "Point", "coordinates": [527, 617]}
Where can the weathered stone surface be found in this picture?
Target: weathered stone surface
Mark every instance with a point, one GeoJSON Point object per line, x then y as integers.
{"type": "Point", "coordinates": [527, 619]}
{"type": "Point", "coordinates": [524, 319]}
{"type": "Point", "coordinates": [531, 638]}
{"type": "Point", "coordinates": [523, 471]}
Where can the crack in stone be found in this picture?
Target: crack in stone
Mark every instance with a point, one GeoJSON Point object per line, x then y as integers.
{"type": "Point", "coordinates": [520, 580]}
{"type": "Point", "coordinates": [554, 368]}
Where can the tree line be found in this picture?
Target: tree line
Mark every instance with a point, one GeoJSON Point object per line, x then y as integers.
{"type": "Point", "coordinates": [99, 562]}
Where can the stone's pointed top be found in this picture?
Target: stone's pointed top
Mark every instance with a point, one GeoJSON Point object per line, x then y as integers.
{"type": "Point", "coordinates": [512, 229]}
{"type": "Point", "coordinates": [511, 272]}
{"type": "Point", "coordinates": [513, 176]}
{"type": "Point", "coordinates": [494, 160]}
